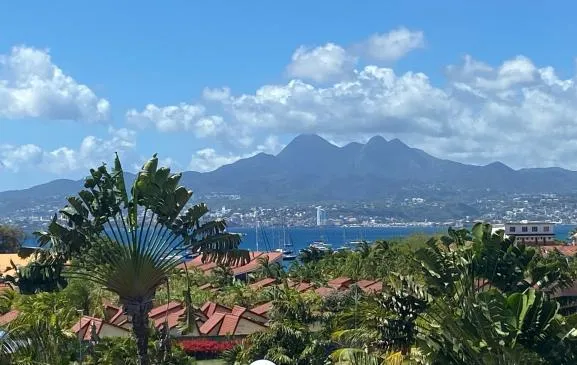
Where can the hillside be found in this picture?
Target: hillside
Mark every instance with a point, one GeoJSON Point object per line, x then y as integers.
{"type": "Point", "coordinates": [310, 169]}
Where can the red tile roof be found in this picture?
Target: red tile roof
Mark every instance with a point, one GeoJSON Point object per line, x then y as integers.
{"type": "Point", "coordinates": [211, 323]}
{"type": "Point", "coordinates": [238, 310]}
{"type": "Point", "coordinates": [8, 317]}
{"type": "Point", "coordinates": [374, 288]}
{"type": "Point", "coordinates": [237, 269]}
{"type": "Point", "coordinates": [172, 319]}
{"type": "Point", "coordinates": [209, 308]}
{"type": "Point", "coordinates": [110, 311]}
{"type": "Point", "coordinates": [262, 283]}
{"type": "Point", "coordinates": [341, 282]}
{"type": "Point", "coordinates": [229, 324]}
{"type": "Point", "coordinates": [365, 283]}
{"type": "Point", "coordinates": [162, 309]}
{"type": "Point", "coordinates": [262, 309]}
{"type": "Point", "coordinates": [567, 250]}
{"type": "Point", "coordinates": [254, 265]}
{"type": "Point", "coordinates": [303, 287]}
{"type": "Point", "coordinates": [119, 318]}
{"type": "Point", "coordinates": [84, 324]}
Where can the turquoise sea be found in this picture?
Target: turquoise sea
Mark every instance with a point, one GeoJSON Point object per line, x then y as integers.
{"type": "Point", "coordinates": [337, 236]}
{"type": "Point", "coordinates": [301, 237]}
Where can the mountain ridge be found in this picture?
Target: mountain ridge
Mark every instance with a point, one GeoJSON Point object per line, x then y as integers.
{"type": "Point", "coordinates": [310, 169]}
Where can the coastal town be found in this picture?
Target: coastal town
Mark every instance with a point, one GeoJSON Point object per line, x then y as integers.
{"type": "Point", "coordinates": [414, 211]}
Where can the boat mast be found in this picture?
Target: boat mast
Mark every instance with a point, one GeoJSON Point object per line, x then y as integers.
{"type": "Point", "coordinates": [256, 231]}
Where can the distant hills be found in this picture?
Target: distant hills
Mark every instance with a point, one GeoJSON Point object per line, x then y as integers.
{"type": "Point", "coordinates": [312, 170]}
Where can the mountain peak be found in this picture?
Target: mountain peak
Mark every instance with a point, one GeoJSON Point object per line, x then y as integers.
{"type": "Point", "coordinates": [377, 140]}
{"type": "Point", "coordinates": [397, 142]}
{"type": "Point", "coordinates": [309, 139]}
{"type": "Point", "coordinates": [308, 143]}
{"type": "Point", "coordinates": [499, 166]}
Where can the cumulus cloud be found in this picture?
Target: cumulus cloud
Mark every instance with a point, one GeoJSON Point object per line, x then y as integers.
{"type": "Point", "coordinates": [91, 152]}
{"type": "Point", "coordinates": [217, 94]}
{"type": "Point", "coordinates": [376, 98]}
{"type": "Point", "coordinates": [31, 86]}
{"type": "Point", "coordinates": [182, 117]}
{"type": "Point", "coordinates": [515, 112]}
{"type": "Point", "coordinates": [393, 45]}
{"type": "Point", "coordinates": [321, 64]}
{"type": "Point", "coordinates": [207, 159]}
{"type": "Point", "coordinates": [271, 145]}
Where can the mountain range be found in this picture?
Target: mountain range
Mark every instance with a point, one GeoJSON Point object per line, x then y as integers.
{"type": "Point", "coordinates": [312, 170]}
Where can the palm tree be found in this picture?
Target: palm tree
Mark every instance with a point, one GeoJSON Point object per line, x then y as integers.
{"type": "Point", "coordinates": [222, 275]}
{"type": "Point", "coordinates": [39, 334]}
{"type": "Point", "coordinates": [381, 328]}
{"type": "Point", "coordinates": [269, 270]}
{"type": "Point", "coordinates": [129, 243]}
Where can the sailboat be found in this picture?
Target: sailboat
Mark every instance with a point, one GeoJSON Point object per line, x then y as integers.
{"type": "Point", "coordinates": [287, 253]}
{"type": "Point", "coordinates": [345, 246]}
{"type": "Point", "coordinates": [351, 245]}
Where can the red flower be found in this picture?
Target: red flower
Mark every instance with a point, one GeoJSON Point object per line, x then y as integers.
{"type": "Point", "coordinates": [206, 346]}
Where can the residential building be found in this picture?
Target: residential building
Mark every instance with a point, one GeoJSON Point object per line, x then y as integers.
{"type": "Point", "coordinates": [532, 233]}
{"type": "Point", "coordinates": [321, 217]}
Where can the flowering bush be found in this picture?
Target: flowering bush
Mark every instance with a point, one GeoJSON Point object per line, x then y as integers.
{"type": "Point", "coordinates": [206, 345]}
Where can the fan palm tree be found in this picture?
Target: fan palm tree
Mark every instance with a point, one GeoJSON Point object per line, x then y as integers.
{"type": "Point", "coordinates": [130, 242]}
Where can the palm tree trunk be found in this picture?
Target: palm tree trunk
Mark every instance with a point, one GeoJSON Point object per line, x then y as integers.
{"type": "Point", "coordinates": [140, 331]}
{"type": "Point", "coordinates": [139, 313]}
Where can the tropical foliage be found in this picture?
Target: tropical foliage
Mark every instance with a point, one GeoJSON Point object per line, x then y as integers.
{"type": "Point", "coordinates": [467, 297]}
{"type": "Point", "coordinates": [128, 241]}
{"type": "Point", "coordinates": [473, 297]}
{"type": "Point", "coordinates": [122, 351]}
{"type": "Point", "coordinates": [11, 238]}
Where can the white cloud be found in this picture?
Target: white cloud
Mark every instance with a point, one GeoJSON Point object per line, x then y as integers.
{"type": "Point", "coordinates": [182, 117]}
{"type": "Point", "coordinates": [221, 94]}
{"type": "Point", "coordinates": [31, 86]}
{"type": "Point", "coordinates": [393, 45]}
{"type": "Point", "coordinates": [209, 126]}
{"type": "Point", "coordinates": [208, 159]}
{"type": "Point", "coordinates": [321, 64]}
{"type": "Point", "coordinates": [271, 145]}
{"type": "Point", "coordinates": [376, 98]}
{"type": "Point", "coordinates": [91, 152]}
{"type": "Point", "coordinates": [517, 112]}
{"type": "Point", "coordinates": [167, 119]}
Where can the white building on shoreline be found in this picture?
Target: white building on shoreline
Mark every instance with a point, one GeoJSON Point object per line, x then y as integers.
{"type": "Point", "coordinates": [530, 233]}
{"type": "Point", "coordinates": [321, 217]}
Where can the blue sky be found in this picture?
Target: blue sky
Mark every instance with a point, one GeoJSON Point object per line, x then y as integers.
{"type": "Point", "coordinates": [227, 79]}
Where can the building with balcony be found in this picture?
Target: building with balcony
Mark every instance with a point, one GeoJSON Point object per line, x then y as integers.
{"type": "Point", "coordinates": [532, 233]}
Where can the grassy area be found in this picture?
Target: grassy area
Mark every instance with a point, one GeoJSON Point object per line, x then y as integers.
{"type": "Point", "coordinates": [210, 362]}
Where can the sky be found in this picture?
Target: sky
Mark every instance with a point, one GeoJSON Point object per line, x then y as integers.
{"type": "Point", "coordinates": [205, 83]}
